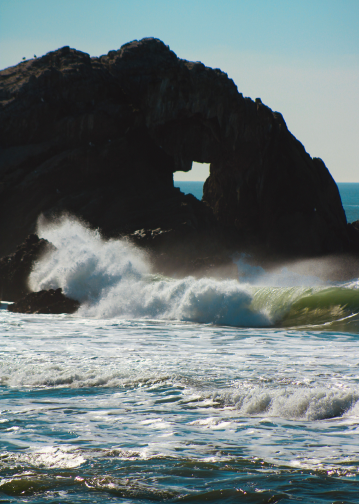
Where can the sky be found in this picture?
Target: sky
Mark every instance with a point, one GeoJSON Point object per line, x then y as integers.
{"type": "Point", "coordinates": [300, 57]}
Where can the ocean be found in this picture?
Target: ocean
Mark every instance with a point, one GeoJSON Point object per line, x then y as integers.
{"type": "Point", "coordinates": [180, 390]}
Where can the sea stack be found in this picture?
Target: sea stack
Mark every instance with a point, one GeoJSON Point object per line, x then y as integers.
{"type": "Point", "coordinates": [100, 138]}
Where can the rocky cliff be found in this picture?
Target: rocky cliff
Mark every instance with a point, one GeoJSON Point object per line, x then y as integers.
{"type": "Point", "coordinates": [101, 137]}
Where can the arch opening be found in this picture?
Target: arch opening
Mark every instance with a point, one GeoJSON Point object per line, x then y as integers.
{"type": "Point", "coordinates": [192, 182]}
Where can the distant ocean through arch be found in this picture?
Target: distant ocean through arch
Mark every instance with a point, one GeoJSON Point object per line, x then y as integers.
{"type": "Point", "coordinates": [349, 193]}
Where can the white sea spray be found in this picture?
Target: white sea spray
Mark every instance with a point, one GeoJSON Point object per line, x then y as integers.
{"type": "Point", "coordinates": [112, 278]}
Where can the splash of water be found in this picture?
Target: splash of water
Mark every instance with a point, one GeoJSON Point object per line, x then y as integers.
{"type": "Point", "coordinates": [281, 277]}
{"type": "Point", "coordinates": [113, 279]}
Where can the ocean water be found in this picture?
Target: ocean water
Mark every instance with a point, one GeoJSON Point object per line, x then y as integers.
{"type": "Point", "coordinates": [349, 192]}
{"type": "Point", "coordinates": [189, 187]}
{"type": "Point", "coordinates": [178, 390]}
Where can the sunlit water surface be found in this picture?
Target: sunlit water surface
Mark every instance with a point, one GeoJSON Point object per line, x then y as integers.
{"type": "Point", "coordinates": [144, 410]}
{"type": "Point", "coordinates": [178, 390]}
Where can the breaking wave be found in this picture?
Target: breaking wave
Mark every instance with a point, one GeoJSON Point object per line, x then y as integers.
{"type": "Point", "coordinates": [113, 278]}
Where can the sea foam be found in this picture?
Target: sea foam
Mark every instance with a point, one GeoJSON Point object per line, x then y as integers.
{"type": "Point", "coordinates": [112, 278]}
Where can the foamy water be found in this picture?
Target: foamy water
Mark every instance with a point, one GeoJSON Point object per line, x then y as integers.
{"type": "Point", "coordinates": [178, 390]}
{"type": "Point", "coordinates": [112, 278]}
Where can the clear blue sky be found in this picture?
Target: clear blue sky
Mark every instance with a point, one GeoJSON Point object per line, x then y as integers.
{"type": "Point", "coordinates": [300, 57]}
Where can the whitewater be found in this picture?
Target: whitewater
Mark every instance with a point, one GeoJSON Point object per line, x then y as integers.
{"type": "Point", "coordinates": [178, 389]}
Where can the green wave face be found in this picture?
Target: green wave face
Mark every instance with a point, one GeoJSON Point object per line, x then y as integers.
{"type": "Point", "coordinates": [333, 308]}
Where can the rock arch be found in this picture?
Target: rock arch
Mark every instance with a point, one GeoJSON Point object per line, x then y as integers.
{"type": "Point", "coordinates": [101, 137]}
{"type": "Point", "coordinates": [262, 181]}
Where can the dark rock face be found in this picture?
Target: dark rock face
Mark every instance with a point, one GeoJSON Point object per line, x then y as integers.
{"type": "Point", "coordinates": [45, 301]}
{"type": "Point", "coordinates": [72, 141]}
{"type": "Point", "coordinates": [15, 269]}
{"type": "Point", "coordinates": [101, 137]}
{"type": "Point", "coordinates": [262, 182]}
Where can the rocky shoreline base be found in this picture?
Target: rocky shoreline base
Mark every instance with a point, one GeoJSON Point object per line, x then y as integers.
{"type": "Point", "coordinates": [45, 301]}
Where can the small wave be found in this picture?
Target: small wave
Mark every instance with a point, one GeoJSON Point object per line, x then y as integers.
{"type": "Point", "coordinates": [291, 403]}
{"type": "Point", "coordinates": [50, 457]}
{"type": "Point", "coordinates": [65, 377]}
{"type": "Point", "coordinates": [288, 401]}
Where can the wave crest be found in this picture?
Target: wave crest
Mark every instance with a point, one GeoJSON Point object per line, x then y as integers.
{"type": "Point", "coordinates": [113, 279]}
